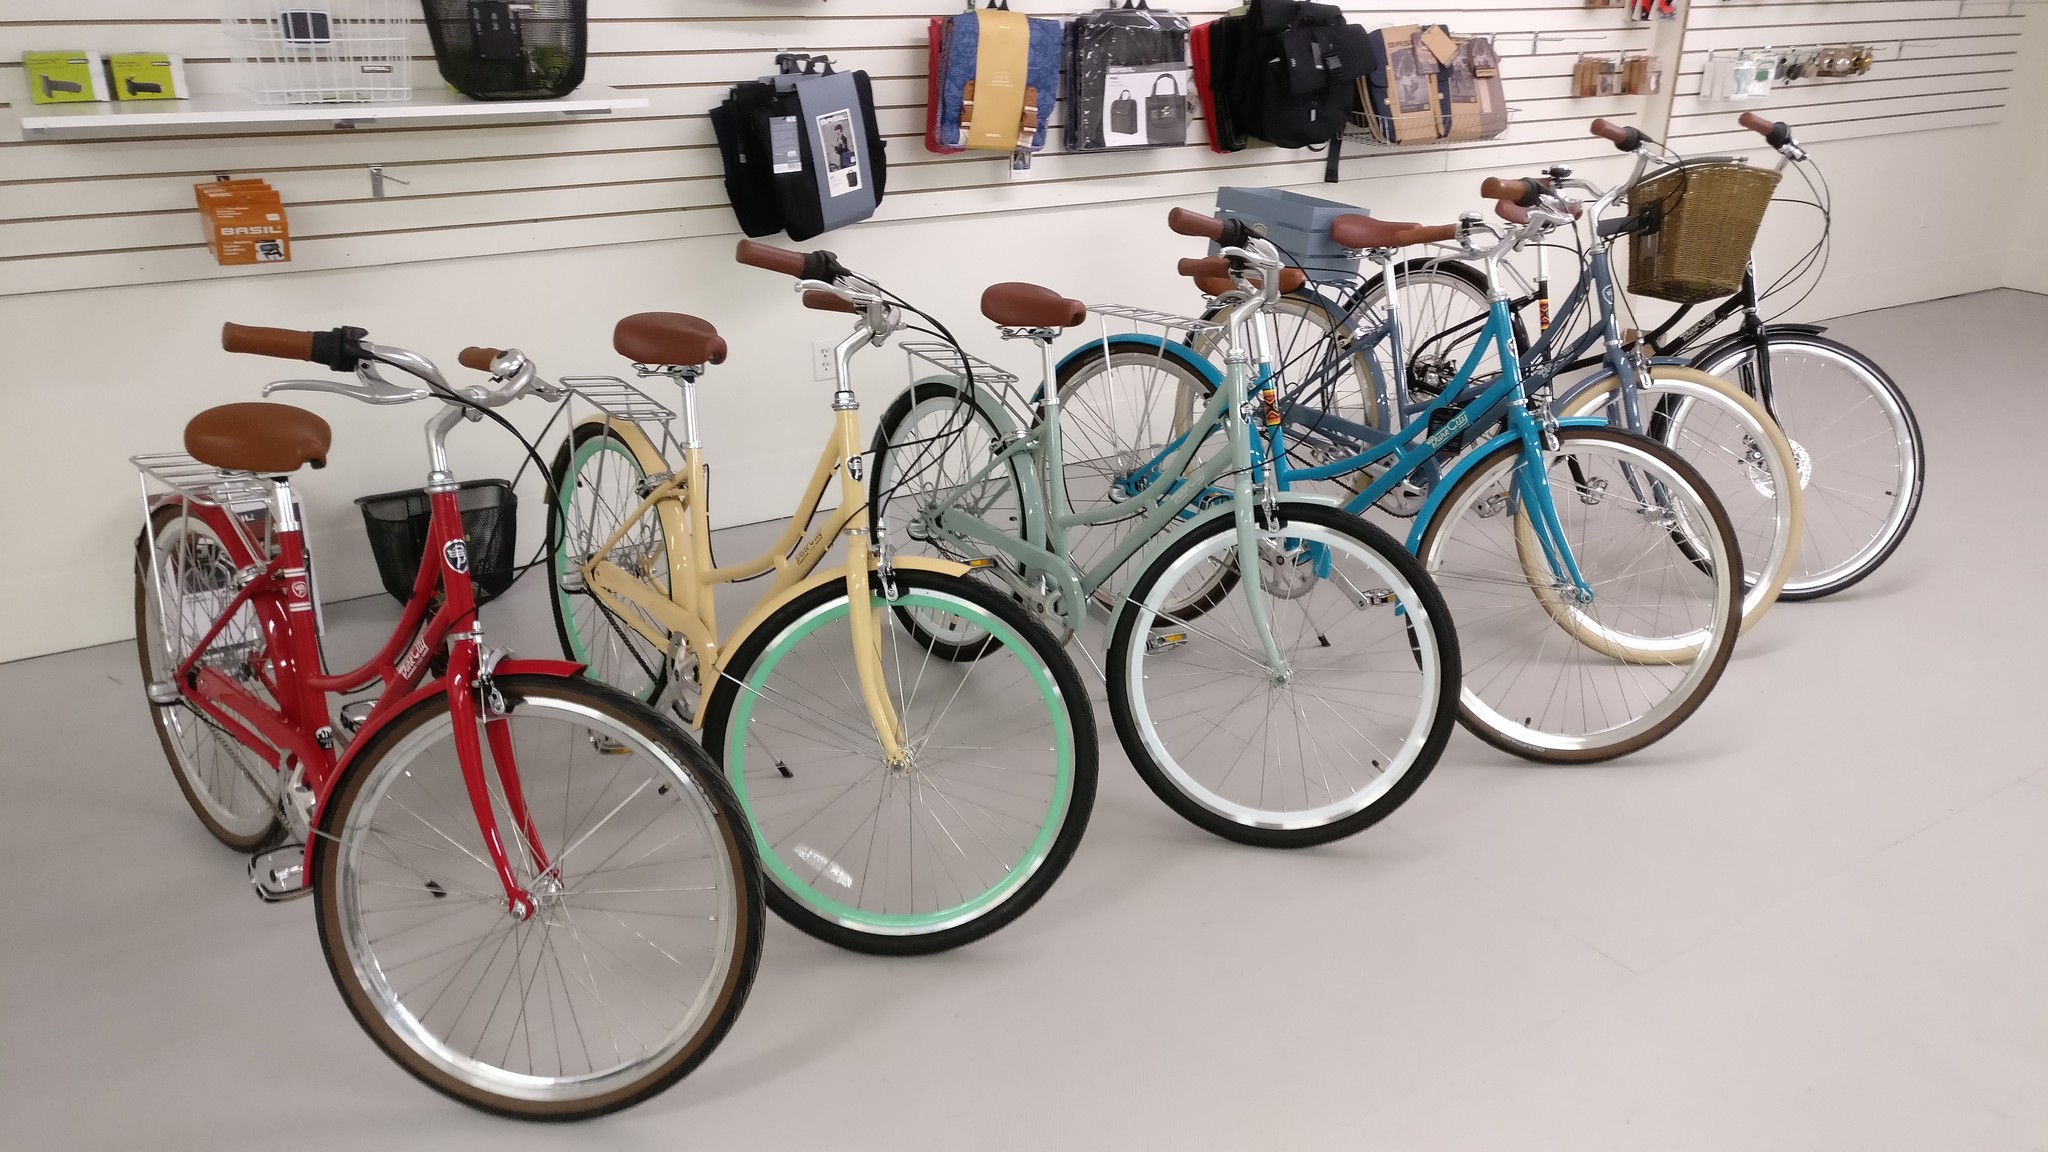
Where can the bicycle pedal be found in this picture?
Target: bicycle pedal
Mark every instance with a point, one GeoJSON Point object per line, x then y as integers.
{"type": "Point", "coordinates": [279, 874]}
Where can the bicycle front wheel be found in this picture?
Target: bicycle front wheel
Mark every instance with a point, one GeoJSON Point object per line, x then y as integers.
{"type": "Point", "coordinates": [598, 478]}
{"type": "Point", "coordinates": [1858, 449]}
{"type": "Point", "coordinates": [1555, 677]}
{"type": "Point", "coordinates": [1320, 747]}
{"type": "Point", "coordinates": [954, 842]}
{"type": "Point", "coordinates": [648, 924]}
{"type": "Point", "coordinates": [1741, 453]}
{"type": "Point", "coordinates": [177, 600]}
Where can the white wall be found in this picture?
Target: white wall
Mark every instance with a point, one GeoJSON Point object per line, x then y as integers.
{"type": "Point", "coordinates": [99, 374]}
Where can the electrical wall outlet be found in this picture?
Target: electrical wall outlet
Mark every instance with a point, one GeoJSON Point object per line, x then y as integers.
{"type": "Point", "coordinates": [822, 367]}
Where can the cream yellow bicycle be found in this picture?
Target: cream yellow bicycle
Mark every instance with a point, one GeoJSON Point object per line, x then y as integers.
{"type": "Point", "coordinates": [904, 800]}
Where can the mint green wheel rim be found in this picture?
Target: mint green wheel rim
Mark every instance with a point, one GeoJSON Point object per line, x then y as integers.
{"type": "Point", "coordinates": [579, 651]}
{"type": "Point", "coordinates": [905, 924]}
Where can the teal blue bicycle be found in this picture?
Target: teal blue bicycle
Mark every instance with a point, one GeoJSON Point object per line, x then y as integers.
{"type": "Point", "coordinates": [1595, 569]}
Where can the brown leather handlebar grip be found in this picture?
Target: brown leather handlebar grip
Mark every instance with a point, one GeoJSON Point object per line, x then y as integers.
{"type": "Point", "coordinates": [1611, 132]}
{"type": "Point", "coordinates": [759, 255]}
{"type": "Point", "coordinates": [283, 343]}
{"type": "Point", "coordinates": [1187, 223]}
{"type": "Point", "coordinates": [1503, 188]}
{"type": "Point", "coordinates": [1430, 234]}
{"type": "Point", "coordinates": [1756, 123]}
{"type": "Point", "coordinates": [1206, 266]}
{"type": "Point", "coordinates": [478, 358]}
{"type": "Point", "coordinates": [828, 302]}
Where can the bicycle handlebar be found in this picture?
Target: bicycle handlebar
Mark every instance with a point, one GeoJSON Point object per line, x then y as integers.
{"type": "Point", "coordinates": [1525, 193]}
{"type": "Point", "coordinates": [339, 348]}
{"type": "Point", "coordinates": [1205, 266]}
{"type": "Point", "coordinates": [1625, 139]}
{"type": "Point", "coordinates": [831, 302]}
{"type": "Point", "coordinates": [1776, 133]}
{"type": "Point", "coordinates": [479, 358]}
{"type": "Point", "coordinates": [1426, 234]}
{"type": "Point", "coordinates": [1187, 223]}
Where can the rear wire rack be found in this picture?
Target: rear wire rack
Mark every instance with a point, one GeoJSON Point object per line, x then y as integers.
{"type": "Point", "coordinates": [990, 380]}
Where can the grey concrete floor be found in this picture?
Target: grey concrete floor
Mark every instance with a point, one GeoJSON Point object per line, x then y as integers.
{"type": "Point", "coordinates": [1816, 917]}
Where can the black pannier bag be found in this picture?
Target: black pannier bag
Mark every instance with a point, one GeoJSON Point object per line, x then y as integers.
{"type": "Point", "coordinates": [1286, 71]}
{"type": "Point", "coordinates": [510, 49]}
{"type": "Point", "coordinates": [801, 149]}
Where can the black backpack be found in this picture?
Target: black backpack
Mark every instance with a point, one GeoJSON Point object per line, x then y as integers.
{"type": "Point", "coordinates": [1289, 70]}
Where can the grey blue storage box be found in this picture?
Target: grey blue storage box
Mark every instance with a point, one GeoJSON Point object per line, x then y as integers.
{"type": "Point", "coordinates": [1298, 225]}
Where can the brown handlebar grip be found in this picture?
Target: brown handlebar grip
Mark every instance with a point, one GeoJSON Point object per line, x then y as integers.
{"type": "Point", "coordinates": [1611, 132]}
{"type": "Point", "coordinates": [828, 302]}
{"type": "Point", "coordinates": [1503, 188]}
{"type": "Point", "coordinates": [1187, 223]}
{"type": "Point", "coordinates": [1206, 266]}
{"type": "Point", "coordinates": [1429, 234]}
{"type": "Point", "coordinates": [478, 358]}
{"type": "Point", "coordinates": [759, 255]}
{"type": "Point", "coordinates": [1756, 123]}
{"type": "Point", "coordinates": [283, 343]}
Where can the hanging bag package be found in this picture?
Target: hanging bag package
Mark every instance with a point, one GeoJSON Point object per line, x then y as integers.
{"type": "Point", "coordinates": [801, 148]}
{"type": "Point", "coordinates": [994, 80]}
{"type": "Point", "coordinates": [1128, 78]}
{"type": "Point", "coordinates": [1478, 109]}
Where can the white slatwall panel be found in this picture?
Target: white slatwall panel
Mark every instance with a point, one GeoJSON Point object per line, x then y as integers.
{"type": "Point", "coordinates": [92, 214]}
{"type": "Point", "coordinates": [1940, 64]}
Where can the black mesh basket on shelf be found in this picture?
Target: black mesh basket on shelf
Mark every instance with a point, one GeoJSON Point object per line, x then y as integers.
{"type": "Point", "coordinates": [510, 49]}
{"type": "Point", "coordinates": [397, 523]}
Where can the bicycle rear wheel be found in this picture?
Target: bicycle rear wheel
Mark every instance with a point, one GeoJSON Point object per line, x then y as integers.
{"type": "Point", "coordinates": [900, 859]}
{"type": "Point", "coordinates": [230, 789]}
{"type": "Point", "coordinates": [598, 478]}
{"type": "Point", "coordinates": [648, 928]}
{"type": "Point", "coordinates": [1858, 448]}
{"type": "Point", "coordinates": [931, 443]}
{"type": "Point", "coordinates": [1551, 678]}
{"type": "Point", "coordinates": [1328, 747]}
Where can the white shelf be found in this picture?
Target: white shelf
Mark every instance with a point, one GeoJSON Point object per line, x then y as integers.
{"type": "Point", "coordinates": [238, 114]}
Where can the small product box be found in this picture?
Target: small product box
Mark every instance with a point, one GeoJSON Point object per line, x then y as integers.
{"type": "Point", "coordinates": [147, 76]}
{"type": "Point", "coordinates": [245, 222]}
{"type": "Point", "coordinates": [65, 77]}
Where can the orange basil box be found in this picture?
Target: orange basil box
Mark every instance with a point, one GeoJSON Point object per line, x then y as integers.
{"type": "Point", "coordinates": [245, 222]}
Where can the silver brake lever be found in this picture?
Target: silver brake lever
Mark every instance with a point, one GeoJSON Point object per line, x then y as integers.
{"type": "Point", "coordinates": [380, 393]}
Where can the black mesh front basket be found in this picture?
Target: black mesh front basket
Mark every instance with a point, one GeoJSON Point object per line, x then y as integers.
{"type": "Point", "coordinates": [510, 49]}
{"type": "Point", "coordinates": [397, 523]}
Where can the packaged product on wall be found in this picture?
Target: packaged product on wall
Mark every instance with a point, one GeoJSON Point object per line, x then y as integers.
{"type": "Point", "coordinates": [147, 76]}
{"type": "Point", "coordinates": [1129, 83]}
{"type": "Point", "coordinates": [245, 222]}
{"type": "Point", "coordinates": [802, 149]}
{"type": "Point", "coordinates": [65, 77]}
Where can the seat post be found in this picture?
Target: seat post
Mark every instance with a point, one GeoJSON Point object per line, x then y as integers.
{"type": "Point", "coordinates": [685, 378]}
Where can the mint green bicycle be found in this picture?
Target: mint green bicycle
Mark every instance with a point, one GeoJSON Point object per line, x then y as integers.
{"type": "Point", "coordinates": [1281, 672]}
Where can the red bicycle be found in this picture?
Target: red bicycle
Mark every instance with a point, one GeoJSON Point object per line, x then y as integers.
{"type": "Point", "coordinates": [533, 894]}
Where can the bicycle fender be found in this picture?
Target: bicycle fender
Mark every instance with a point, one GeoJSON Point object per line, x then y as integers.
{"type": "Point", "coordinates": [1174, 349]}
{"type": "Point", "coordinates": [1465, 464]}
{"type": "Point", "coordinates": [770, 604]}
{"type": "Point", "coordinates": [1736, 339]}
{"type": "Point", "coordinates": [1607, 372]}
{"type": "Point", "coordinates": [510, 666]}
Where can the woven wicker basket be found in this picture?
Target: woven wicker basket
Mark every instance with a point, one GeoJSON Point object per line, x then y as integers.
{"type": "Point", "coordinates": [1709, 227]}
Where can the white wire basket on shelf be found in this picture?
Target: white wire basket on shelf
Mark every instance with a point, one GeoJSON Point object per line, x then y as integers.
{"type": "Point", "coordinates": [321, 51]}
